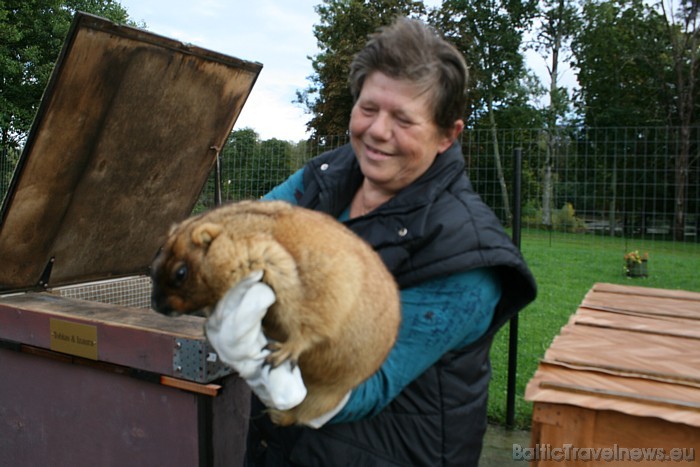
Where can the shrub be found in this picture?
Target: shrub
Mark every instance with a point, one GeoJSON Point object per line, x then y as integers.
{"type": "Point", "coordinates": [565, 220]}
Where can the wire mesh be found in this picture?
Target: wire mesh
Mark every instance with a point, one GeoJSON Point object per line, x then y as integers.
{"type": "Point", "coordinates": [638, 183]}
{"type": "Point", "coordinates": [132, 291]}
{"type": "Point", "coordinates": [591, 182]}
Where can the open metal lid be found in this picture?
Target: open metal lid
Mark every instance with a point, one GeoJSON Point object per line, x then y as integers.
{"type": "Point", "coordinates": [126, 134]}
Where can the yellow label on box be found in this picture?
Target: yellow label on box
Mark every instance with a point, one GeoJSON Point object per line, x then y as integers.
{"type": "Point", "coordinates": [74, 338]}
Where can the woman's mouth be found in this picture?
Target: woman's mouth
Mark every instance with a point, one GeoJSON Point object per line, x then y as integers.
{"type": "Point", "coordinates": [376, 154]}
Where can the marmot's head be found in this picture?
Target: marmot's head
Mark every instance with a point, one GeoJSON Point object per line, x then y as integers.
{"type": "Point", "coordinates": [206, 255]}
{"type": "Point", "coordinates": [180, 271]}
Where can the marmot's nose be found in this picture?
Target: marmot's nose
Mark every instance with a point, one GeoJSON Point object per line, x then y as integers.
{"type": "Point", "coordinates": [160, 304]}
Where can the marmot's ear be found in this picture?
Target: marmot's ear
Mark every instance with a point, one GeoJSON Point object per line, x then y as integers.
{"type": "Point", "coordinates": [204, 234]}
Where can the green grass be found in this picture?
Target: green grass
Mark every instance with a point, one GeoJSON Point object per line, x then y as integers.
{"type": "Point", "coordinates": [565, 269]}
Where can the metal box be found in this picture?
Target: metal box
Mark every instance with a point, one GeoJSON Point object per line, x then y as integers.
{"type": "Point", "coordinates": [620, 385]}
{"type": "Point", "coordinates": [127, 132]}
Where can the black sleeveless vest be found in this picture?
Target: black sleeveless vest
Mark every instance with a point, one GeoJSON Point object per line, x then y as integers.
{"type": "Point", "coordinates": [436, 226]}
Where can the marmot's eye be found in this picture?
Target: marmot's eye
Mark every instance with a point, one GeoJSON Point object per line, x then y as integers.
{"type": "Point", "coordinates": [180, 274]}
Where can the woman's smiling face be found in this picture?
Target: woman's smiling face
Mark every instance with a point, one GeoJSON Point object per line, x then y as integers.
{"type": "Point", "coordinates": [393, 132]}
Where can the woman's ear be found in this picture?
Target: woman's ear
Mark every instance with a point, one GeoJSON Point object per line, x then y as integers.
{"type": "Point", "coordinates": [450, 135]}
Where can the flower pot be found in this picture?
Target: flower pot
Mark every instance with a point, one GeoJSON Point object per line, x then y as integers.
{"type": "Point", "coordinates": [635, 269]}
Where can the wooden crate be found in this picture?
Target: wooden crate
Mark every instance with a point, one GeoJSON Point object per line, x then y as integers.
{"type": "Point", "coordinates": [86, 384]}
{"type": "Point", "coordinates": [621, 382]}
{"type": "Point", "coordinates": [128, 130]}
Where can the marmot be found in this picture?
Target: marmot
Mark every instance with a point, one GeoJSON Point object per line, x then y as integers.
{"type": "Point", "coordinates": [337, 308]}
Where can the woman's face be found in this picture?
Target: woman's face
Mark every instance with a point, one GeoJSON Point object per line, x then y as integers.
{"type": "Point", "coordinates": [393, 132]}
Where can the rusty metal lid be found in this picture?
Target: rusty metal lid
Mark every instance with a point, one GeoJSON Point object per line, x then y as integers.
{"type": "Point", "coordinates": [126, 134]}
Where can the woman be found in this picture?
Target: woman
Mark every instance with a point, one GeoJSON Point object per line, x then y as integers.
{"type": "Point", "coordinates": [400, 184]}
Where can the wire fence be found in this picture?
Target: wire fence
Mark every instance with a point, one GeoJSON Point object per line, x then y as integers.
{"type": "Point", "coordinates": [640, 183]}
{"type": "Point", "coordinates": [618, 182]}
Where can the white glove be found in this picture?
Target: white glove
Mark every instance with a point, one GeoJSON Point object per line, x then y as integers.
{"type": "Point", "coordinates": [235, 332]}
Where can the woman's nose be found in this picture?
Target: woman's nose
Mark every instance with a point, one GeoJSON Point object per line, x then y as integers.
{"type": "Point", "coordinates": [380, 128]}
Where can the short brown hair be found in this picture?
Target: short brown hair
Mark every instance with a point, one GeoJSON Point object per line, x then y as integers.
{"type": "Point", "coordinates": [410, 50]}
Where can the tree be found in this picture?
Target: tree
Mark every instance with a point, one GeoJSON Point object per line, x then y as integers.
{"type": "Point", "coordinates": [31, 36]}
{"type": "Point", "coordinates": [684, 36]}
{"type": "Point", "coordinates": [639, 65]}
{"type": "Point", "coordinates": [343, 29]}
{"type": "Point", "coordinates": [256, 166]}
{"type": "Point", "coordinates": [275, 165]}
{"type": "Point", "coordinates": [558, 21]}
{"type": "Point", "coordinates": [622, 63]}
{"type": "Point", "coordinates": [490, 34]}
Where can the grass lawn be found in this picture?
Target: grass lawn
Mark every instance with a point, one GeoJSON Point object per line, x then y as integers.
{"type": "Point", "coordinates": [566, 266]}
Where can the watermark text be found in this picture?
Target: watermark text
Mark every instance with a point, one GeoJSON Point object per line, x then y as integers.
{"type": "Point", "coordinates": [614, 453]}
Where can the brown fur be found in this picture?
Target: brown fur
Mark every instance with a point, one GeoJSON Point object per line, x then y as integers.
{"type": "Point", "coordinates": [337, 310]}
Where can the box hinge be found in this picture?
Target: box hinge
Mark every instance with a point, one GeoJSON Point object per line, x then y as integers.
{"type": "Point", "coordinates": [46, 275]}
{"type": "Point", "coordinates": [196, 360]}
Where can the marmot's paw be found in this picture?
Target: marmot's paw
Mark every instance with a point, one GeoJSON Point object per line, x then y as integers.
{"type": "Point", "coordinates": [280, 352]}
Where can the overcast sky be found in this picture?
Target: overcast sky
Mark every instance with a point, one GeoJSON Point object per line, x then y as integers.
{"type": "Point", "coordinates": [276, 33]}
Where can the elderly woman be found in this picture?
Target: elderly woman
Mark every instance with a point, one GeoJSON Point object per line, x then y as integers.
{"type": "Point", "coordinates": [401, 185]}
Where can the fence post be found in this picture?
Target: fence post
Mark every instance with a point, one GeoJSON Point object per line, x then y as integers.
{"type": "Point", "coordinates": [217, 181]}
{"type": "Point", "coordinates": [513, 334]}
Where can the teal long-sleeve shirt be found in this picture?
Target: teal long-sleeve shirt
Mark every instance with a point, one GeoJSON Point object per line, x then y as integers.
{"type": "Point", "coordinates": [438, 315]}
